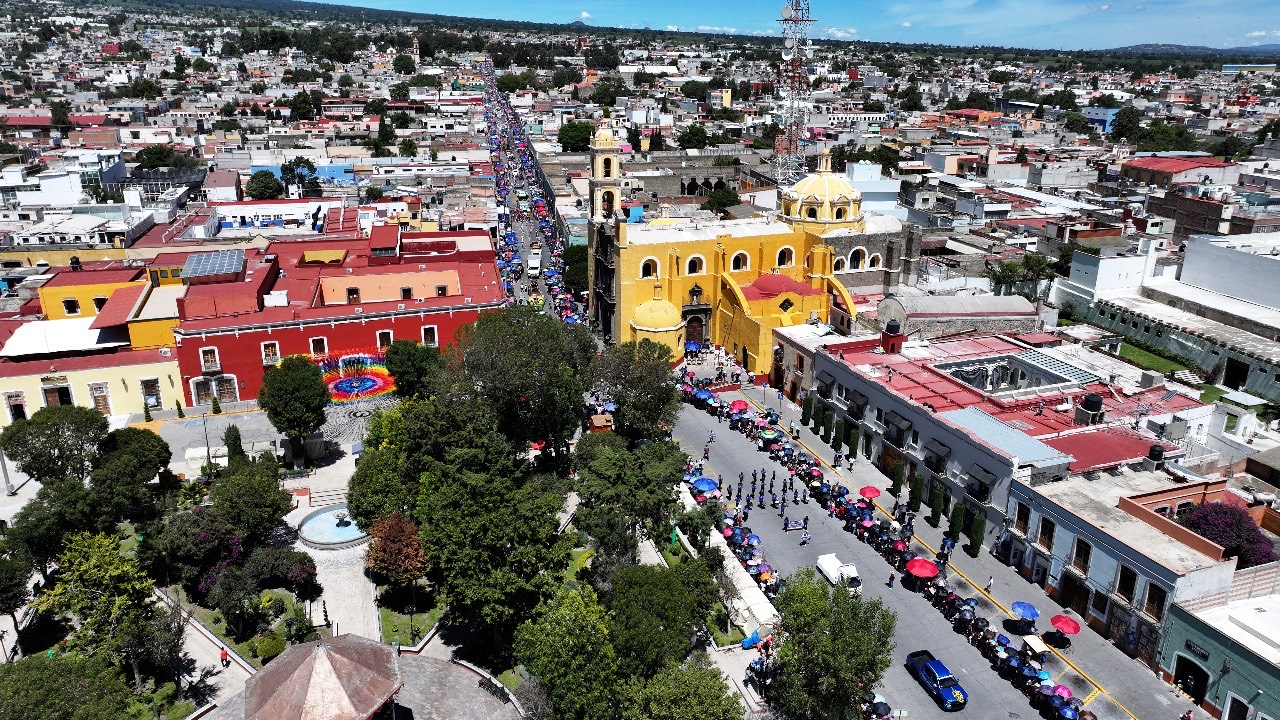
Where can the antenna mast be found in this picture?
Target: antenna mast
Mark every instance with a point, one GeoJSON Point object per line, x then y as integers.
{"type": "Point", "coordinates": [796, 52]}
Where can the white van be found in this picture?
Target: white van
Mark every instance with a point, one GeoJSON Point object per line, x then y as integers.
{"type": "Point", "coordinates": [842, 574]}
{"type": "Point", "coordinates": [535, 262]}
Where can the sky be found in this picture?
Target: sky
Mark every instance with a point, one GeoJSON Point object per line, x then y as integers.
{"type": "Point", "coordinates": [1062, 24]}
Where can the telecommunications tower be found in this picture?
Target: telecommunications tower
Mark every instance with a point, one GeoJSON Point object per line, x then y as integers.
{"type": "Point", "coordinates": [797, 50]}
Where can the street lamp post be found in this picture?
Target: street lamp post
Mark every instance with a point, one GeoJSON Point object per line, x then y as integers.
{"type": "Point", "coordinates": [4, 470]}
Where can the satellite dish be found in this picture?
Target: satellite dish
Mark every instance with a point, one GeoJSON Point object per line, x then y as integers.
{"type": "Point", "coordinates": [787, 54]}
{"type": "Point", "coordinates": [789, 42]}
{"type": "Point", "coordinates": [788, 12]}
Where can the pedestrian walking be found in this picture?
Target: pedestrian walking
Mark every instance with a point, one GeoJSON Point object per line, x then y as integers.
{"type": "Point", "coordinates": [806, 522]}
{"type": "Point", "coordinates": [892, 577]}
{"type": "Point", "coordinates": [224, 657]}
{"type": "Point", "coordinates": [770, 486]}
{"type": "Point", "coordinates": [746, 512]}
{"type": "Point", "coordinates": [740, 477]}
{"type": "Point", "coordinates": [784, 507]}
{"type": "Point", "coordinates": [990, 581]}
{"type": "Point", "coordinates": [719, 482]}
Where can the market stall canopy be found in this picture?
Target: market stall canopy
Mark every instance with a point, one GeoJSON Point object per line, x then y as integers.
{"type": "Point", "coordinates": [343, 678]}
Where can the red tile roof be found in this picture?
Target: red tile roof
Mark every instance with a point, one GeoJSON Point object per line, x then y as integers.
{"type": "Point", "coordinates": [771, 286]}
{"type": "Point", "coordinates": [1104, 448]}
{"type": "Point", "coordinates": [1176, 164]}
{"type": "Point", "coordinates": [119, 307]}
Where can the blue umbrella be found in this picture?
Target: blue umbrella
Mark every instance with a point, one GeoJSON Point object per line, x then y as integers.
{"type": "Point", "coordinates": [610, 406]}
{"type": "Point", "coordinates": [753, 539]}
{"type": "Point", "coordinates": [703, 394]}
{"type": "Point", "coordinates": [1025, 610]}
{"type": "Point", "coordinates": [704, 484]}
{"type": "Point", "coordinates": [1066, 712]}
{"type": "Point", "coordinates": [692, 346]}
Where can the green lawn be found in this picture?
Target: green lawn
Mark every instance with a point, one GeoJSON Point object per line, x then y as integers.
{"type": "Point", "coordinates": [577, 561]}
{"type": "Point", "coordinates": [1211, 393]}
{"type": "Point", "coordinates": [716, 622]}
{"type": "Point", "coordinates": [212, 619]}
{"type": "Point", "coordinates": [1150, 361]}
{"type": "Point", "coordinates": [673, 555]}
{"type": "Point", "coordinates": [393, 604]}
{"type": "Point", "coordinates": [510, 678]}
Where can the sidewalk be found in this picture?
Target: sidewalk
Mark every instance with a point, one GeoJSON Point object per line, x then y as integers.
{"type": "Point", "coordinates": [1121, 682]}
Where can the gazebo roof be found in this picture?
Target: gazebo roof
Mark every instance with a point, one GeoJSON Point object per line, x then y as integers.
{"type": "Point", "coordinates": [342, 678]}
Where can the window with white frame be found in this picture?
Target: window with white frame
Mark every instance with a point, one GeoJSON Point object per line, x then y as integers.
{"type": "Point", "coordinates": [270, 353]}
{"type": "Point", "coordinates": [319, 346]}
{"type": "Point", "coordinates": [384, 338]}
{"type": "Point", "coordinates": [429, 336]}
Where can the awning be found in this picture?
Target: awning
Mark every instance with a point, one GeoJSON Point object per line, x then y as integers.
{"type": "Point", "coordinates": [856, 398]}
{"type": "Point", "coordinates": [896, 420]}
{"type": "Point", "coordinates": [942, 452]}
{"type": "Point", "coordinates": [981, 474]}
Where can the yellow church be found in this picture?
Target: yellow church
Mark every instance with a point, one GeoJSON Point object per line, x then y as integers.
{"type": "Point", "coordinates": [727, 283]}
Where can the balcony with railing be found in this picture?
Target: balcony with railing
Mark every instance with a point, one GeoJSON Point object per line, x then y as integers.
{"type": "Point", "coordinates": [980, 493]}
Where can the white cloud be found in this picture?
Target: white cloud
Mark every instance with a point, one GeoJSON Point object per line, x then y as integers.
{"type": "Point", "coordinates": [1139, 8]}
{"type": "Point", "coordinates": [584, 15]}
{"type": "Point", "coordinates": [905, 23]}
{"type": "Point", "coordinates": [673, 28]}
{"type": "Point", "coordinates": [1256, 33]}
{"type": "Point", "coordinates": [717, 29]}
{"type": "Point", "coordinates": [1099, 7]}
{"type": "Point", "coordinates": [840, 33]}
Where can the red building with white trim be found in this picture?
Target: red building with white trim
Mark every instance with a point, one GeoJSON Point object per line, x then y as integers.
{"type": "Point", "coordinates": [243, 310]}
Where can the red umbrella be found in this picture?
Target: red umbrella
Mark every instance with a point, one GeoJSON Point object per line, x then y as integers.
{"type": "Point", "coordinates": [738, 405]}
{"type": "Point", "coordinates": [899, 545]}
{"type": "Point", "coordinates": [922, 568]}
{"type": "Point", "coordinates": [1064, 624]}
{"type": "Point", "coordinates": [870, 491]}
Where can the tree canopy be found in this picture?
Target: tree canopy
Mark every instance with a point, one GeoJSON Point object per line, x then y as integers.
{"type": "Point", "coordinates": [636, 375]}
{"type": "Point", "coordinates": [568, 650]}
{"type": "Point", "coordinates": [694, 690]}
{"type": "Point", "coordinates": [576, 136]}
{"type": "Point", "coordinates": [1232, 528]}
{"type": "Point", "coordinates": [415, 367]}
{"type": "Point", "coordinates": [263, 185]}
{"type": "Point", "coordinates": [56, 443]}
{"type": "Point", "coordinates": [836, 642]}
{"type": "Point", "coordinates": [294, 397]}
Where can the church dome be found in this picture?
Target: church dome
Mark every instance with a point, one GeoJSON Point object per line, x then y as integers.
{"type": "Point", "coordinates": [604, 139]}
{"type": "Point", "coordinates": [656, 315]}
{"type": "Point", "coordinates": [822, 197]}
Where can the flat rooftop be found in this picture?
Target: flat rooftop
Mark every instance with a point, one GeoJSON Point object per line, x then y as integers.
{"type": "Point", "coordinates": [1254, 623]}
{"type": "Point", "coordinates": [162, 303]}
{"type": "Point", "coordinates": [645, 234]}
{"type": "Point", "coordinates": [1097, 502]}
{"type": "Point", "coordinates": [1220, 333]}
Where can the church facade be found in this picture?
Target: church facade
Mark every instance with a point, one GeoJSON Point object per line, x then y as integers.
{"type": "Point", "coordinates": [725, 282]}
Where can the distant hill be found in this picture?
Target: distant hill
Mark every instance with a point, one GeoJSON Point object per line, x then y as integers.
{"type": "Point", "coordinates": [1157, 49]}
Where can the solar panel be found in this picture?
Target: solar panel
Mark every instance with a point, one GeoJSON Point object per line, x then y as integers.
{"type": "Point", "coordinates": [218, 262]}
{"type": "Point", "coordinates": [1168, 396]}
{"type": "Point", "coordinates": [1054, 365]}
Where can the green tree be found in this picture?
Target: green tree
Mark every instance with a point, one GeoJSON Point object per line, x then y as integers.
{"type": "Point", "coordinates": [301, 172]}
{"type": "Point", "coordinates": [575, 136]}
{"type": "Point", "coordinates": [640, 483]}
{"type": "Point", "coordinates": [1061, 99]}
{"type": "Point", "coordinates": [235, 596]}
{"type": "Point", "coordinates": [103, 590]}
{"type": "Point", "coordinates": [1022, 155]}
{"type": "Point", "coordinates": [654, 612]}
{"type": "Point", "coordinates": [301, 107]}
{"type": "Point", "coordinates": [837, 642]}
{"type": "Point", "coordinates": [977, 532]}
{"type": "Point", "coordinates": [163, 156]}
{"type": "Point", "coordinates": [1076, 123]}
{"type": "Point", "coordinates": [60, 114]}
{"type": "Point", "coordinates": [1231, 147]}
{"type": "Point", "coordinates": [372, 193]}
{"type": "Point", "coordinates": [694, 690]}
{"type": "Point", "coordinates": [294, 397]}
{"type": "Point", "coordinates": [263, 185]}
{"type": "Point", "coordinates": [935, 505]}
{"type": "Point", "coordinates": [898, 473]}
{"type": "Point", "coordinates": [566, 76]}
{"type": "Point", "coordinates": [404, 65]}
{"type": "Point", "coordinates": [1004, 275]}
{"type": "Point", "coordinates": [837, 434]}
{"type": "Point", "coordinates": [346, 81]}
{"type": "Point", "coordinates": [1127, 124]}
{"type": "Point", "coordinates": [66, 686]}
{"type": "Point", "coordinates": [56, 443]}
{"type": "Point", "coordinates": [386, 132]}
{"type": "Point", "coordinates": [532, 370]}
{"type": "Point", "coordinates": [1160, 137]}
{"type": "Point", "coordinates": [235, 446]}
{"type": "Point", "coordinates": [15, 591]}
{"type": "Point", "coordinates": [415, 367]}
{"type": "Point", "coordinates": [252, 500]}
{"type": "Point", "coordinates": [693, 137]}
{"type": "Point", "coordinates": [1105, 100]}
{"type": "Point", "coordinates": [694, 90]}
{"type": "Point", "coordinates": [496, 550]}
{"type": "Point", "coordinates": [568, 649]}
{"type": "Point", "coordinates": [721, 199]}
{"type": "Point", "coordinates": [910, 100]}
{"type": "Point", "coordinates": [915, 494]}
{"type": "Point", "coordinates": [636, 375]}
{"type": "Point", "coordinates": [408, 148]}
{"type": "Point", "coordinates": [806, 410]}
{"type": "Point", "coordinates": [958, 520]}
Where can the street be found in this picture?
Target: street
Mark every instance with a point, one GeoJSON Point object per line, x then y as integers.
{"type": "Point", "coordinates": [1129, 689]}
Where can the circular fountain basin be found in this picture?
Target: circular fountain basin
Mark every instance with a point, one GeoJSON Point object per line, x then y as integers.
{"type": "Point", "coordinates": [323, 530]}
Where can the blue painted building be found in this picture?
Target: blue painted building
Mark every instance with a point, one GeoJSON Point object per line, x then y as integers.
{"type": "Point", "coordinates": [1100, 117]}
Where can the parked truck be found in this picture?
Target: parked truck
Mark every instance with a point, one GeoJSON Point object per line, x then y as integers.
{"type": "Point", "coordinates": [937, 679]}
{"type": "Point", "coordinates": [842, 574]}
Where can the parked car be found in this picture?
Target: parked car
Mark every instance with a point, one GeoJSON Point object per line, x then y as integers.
{"type": "Point", "coordinates": [843, 574]}
{"type": "Point", "coordinates": [937, 679]}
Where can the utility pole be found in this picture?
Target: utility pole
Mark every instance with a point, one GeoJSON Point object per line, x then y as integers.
{"type": "Point", "coordinates": [4, 470]}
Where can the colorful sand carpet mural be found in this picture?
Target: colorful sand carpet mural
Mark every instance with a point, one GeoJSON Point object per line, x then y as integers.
{"type": "Point", "coordinates": [355, 376]}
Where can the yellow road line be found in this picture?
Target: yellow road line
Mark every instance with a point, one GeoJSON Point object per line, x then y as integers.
{"type": "Point", "coordinates": [1089, 698]}
{"type": "Point", "coordinates": [976, 587]}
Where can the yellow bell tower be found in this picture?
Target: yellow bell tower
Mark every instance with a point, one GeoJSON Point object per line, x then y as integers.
{"type": "Point", "coordinates": [606, 175]}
